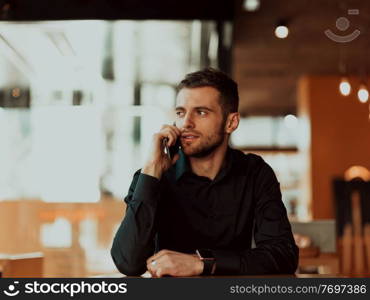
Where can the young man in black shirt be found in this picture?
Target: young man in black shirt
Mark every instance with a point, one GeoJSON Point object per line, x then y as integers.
{"type": "Point", "coordinates": [197, 213]}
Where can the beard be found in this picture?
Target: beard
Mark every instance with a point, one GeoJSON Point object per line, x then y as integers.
{"type": "Point", "coordinates": [206, 146]}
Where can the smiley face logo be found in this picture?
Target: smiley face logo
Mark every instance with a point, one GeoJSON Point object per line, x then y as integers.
{"type": "Point", "coordinates": [342, 24]}
{"type": "Point", "coordinates": [12, 291]}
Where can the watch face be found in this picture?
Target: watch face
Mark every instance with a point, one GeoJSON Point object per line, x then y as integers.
{"type": "Point", "coordinates": [206, 253]}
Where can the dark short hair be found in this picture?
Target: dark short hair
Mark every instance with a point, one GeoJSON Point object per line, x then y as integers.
{"type": "Point", "coordinates": [228, 88]}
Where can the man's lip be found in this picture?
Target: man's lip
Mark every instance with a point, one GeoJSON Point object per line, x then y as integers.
{"type": "Point", "coordinates": [184, 136]}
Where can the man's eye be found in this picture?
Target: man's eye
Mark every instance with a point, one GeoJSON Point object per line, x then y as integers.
{"type": "Point", "coordinates": [179, 113]}
{"type": "Point", "coordinates": [202, 112]}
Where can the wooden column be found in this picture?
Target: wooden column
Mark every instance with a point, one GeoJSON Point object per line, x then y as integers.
{"type": "Point", "coordinates": [339, 134]}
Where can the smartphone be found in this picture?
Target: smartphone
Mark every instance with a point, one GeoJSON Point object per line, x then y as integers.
{"type": "Point", "coordinates": [171, 151]}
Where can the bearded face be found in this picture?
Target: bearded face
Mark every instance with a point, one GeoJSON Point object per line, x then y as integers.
{"type": "Point", "coordinates": [201, 120]}
{"type": "Point", "coordinates": [197, 144]}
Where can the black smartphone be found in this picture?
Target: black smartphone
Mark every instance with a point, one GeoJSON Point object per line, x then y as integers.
{"type": "Point", "coordinates": [175, 148]}
{"type": "Point", "coordinates": [171, 151]}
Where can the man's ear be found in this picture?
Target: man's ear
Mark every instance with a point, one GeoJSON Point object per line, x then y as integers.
{"type": "Point", "coordinates": [232, 122]}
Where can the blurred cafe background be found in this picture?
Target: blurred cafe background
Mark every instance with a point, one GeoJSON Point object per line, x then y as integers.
{"type": "Point", "coordinates": [85, 83]}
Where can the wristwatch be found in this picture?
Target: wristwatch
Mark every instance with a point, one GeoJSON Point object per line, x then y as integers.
{"type": "Point", "coordinates": [208, 259]}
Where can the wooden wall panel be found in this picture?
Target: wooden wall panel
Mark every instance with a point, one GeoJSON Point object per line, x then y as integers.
{"type": "Point", "coordinates": [340, 137]}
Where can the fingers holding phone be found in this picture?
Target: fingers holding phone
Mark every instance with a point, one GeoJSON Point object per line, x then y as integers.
{"type": "Point", "coordinates": [163, 151]}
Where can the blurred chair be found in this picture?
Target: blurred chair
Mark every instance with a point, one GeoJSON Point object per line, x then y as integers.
{"type": "Point", "coordinates": [352, 199]}
{"type": "Point", "coordinates": [318, 248]}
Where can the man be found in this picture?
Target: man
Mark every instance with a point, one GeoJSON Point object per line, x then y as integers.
{"type": "Point", "coordinates": [197, 213]}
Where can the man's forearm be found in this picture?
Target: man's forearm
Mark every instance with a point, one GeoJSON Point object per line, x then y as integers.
{"type": "Point", "coordinates": [278, 258]}
{"type": "Point", "coordinates": [152, 170]}
{"type": "Point", "coordinates": [134, 240]}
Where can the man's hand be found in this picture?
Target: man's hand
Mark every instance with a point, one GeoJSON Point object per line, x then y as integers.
{"type": "Point", "coordinates": [158, 161]}
{"type": "Point", "coordinates": [167, 262]}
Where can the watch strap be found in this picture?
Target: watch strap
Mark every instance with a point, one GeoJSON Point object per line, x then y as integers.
{"type": "Point", "coordinates": [208, 266]}
{"type": "Point", "coordinates": [208, 259]}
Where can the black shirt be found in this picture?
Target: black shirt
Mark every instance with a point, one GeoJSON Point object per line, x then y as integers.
{"type": "Point", "coordinates": [184, 212]}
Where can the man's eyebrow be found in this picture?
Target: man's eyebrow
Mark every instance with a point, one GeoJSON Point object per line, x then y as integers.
{"type": "Point", "coordinates": [203, 108]}
{"type": "Point", "coordinates": [197, 108]}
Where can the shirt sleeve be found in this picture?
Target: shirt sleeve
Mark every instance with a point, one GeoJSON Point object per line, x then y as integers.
{"type": "Point", "coordinates": [134, 240]}
{"type": "Point", "coordinates": [276, 251]}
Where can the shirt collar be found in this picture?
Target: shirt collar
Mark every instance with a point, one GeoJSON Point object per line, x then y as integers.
{"type": "Point", "coordinates": [182, 165]}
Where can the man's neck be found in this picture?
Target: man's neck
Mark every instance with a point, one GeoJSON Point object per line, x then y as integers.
{"type": "Point", "coordinates": [210, 165]}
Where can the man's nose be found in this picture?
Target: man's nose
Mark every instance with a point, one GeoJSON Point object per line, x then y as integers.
{"type": "Point", "coordinates": [187, 122]}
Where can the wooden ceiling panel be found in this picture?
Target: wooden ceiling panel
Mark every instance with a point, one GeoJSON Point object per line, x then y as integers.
{"type": "Point", "coordinates": [267, 68]}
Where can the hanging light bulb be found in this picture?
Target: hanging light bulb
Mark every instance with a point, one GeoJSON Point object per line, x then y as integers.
{"type": "Point", "coordinates": [363, 94]}
{"type": "Point", "coordinates": [290, 121]}
{"type": "Point", "coordinates": [281, 29]}
{"type": "Point", "coordinates": [345, 87]}
{"type": "Point", "coordinates": [251, 5]}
